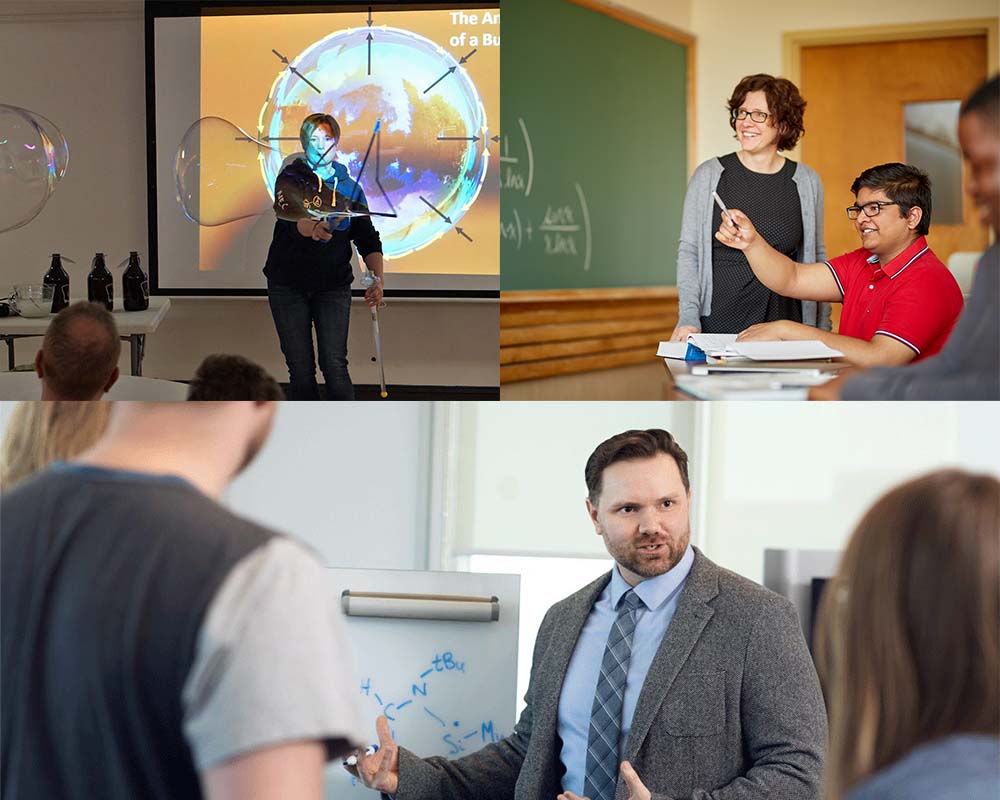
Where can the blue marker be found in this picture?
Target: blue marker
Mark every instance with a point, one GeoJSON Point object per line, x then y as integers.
{"type": "Point", "coordinates": [352, 760]}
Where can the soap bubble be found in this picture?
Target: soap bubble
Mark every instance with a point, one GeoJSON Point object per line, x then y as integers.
{"type": "Point", "coordinates": [218, 172]}
{"type": "Point", "coordinates": [430, 111]}
{"type": "Point", "coordinates": [34, 156]}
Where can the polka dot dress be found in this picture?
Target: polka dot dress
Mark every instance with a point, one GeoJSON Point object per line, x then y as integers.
{"type": "Point", "coordinates": [771, 202]}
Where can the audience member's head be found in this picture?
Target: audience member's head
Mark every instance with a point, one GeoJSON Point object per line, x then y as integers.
{"type": "Point", "coordinates": [908, 634]}
{"type": "Point", "coordinates": [979, 135]}
{"type": "Point", "coordinates": [228, 377]}
{"type": "Point", "coordinates": [79, 355]}
{"type": "Point", "coordinates": [39, 433]}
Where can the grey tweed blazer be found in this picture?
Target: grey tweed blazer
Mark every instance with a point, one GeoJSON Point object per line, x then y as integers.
{"type": "Point", "coordinates": [731, 708]}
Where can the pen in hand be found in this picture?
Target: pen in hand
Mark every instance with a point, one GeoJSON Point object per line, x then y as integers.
{"type": "Point", "coordinates": [715, 196]}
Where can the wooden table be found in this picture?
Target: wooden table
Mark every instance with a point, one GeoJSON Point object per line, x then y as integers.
{"type": "Point", "coordinates": [132, 326]}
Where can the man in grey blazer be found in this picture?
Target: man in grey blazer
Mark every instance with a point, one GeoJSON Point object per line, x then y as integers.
{"type": "Point", "coordinates": [703, 684]}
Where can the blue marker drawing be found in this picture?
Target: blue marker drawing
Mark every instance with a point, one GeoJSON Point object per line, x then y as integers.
{"type": "Point", "coordinates": [426, 673]}
{"type": "Point", "coordinates": [435, 717]}
{"type": "Point", "coordinates": [404, 704]}
{"type": "Point", "coordinates": [378, 699]}
{"type": "Point", "coordinates": [471, 734]}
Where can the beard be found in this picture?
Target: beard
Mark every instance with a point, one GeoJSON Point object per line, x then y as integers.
{"type": "Point", "coordinates": [257, 440]}
{"type": "Point", "coordinates": [647, 564]}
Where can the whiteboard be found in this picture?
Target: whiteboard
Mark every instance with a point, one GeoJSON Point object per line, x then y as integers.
{"type": "Point", "coordinates": [447, 687]}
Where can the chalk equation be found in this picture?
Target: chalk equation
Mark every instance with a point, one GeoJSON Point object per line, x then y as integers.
{"type": "Point", "coordinates": [563, 231]}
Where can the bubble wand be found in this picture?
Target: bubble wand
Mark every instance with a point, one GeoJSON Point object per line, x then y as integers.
{"type": "Point", "coordinates": [369, 279]}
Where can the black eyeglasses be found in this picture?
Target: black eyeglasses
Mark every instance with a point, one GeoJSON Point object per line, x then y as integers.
{"type": "Point", "coordinates": [756, 116]}
{"type": "Point", "coordinates": [871, 209]}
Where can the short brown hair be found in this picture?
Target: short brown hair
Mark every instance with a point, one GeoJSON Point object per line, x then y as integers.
{"type": "Point", "coordinates": [312, 122]}
{"type": "Point", "coordinates": [784, 101]}
{"type": "Point", "coordinates": [904, 184]}
{"type": "Point", "coordinates": [228, 377]}
{"type": "Point", "coordinates": [632, 446]}
{"type": "Point", "coordinates": [80, 351]}
{"type": "Point", "coordinates": [908, 633]}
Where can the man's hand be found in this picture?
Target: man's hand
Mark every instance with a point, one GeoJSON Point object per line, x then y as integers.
{"type": "Point", "coordinates": [681, 332]}
{"type": "Point", "coordinates": [636, 788]}
{"type": "Point", "coordinates": [381, 770]}
{"type": "Point", "coordinates": [741, 238]}
{"type": "Point", "coordinates": [779, 331]}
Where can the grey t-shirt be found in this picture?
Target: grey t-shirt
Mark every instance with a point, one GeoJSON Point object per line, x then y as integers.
{"type": "Point", "coordinates": [272, 663]}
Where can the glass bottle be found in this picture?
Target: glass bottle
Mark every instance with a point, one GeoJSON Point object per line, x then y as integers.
{"type": "Point", "coordinates": [100, 284]}
{"type": "Point", "coordinates": [135, 285]}
{"type": "Point", "coordinates": [58, 279]}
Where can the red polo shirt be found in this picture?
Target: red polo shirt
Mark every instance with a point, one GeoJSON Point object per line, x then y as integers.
{"type": "Point", "coordinates": [914, 298]}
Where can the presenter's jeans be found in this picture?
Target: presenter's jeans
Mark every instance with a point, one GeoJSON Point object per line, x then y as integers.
{"type": "Point", "coordinates": [295, 313]}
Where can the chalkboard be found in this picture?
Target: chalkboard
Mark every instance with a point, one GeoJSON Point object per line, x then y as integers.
{"type": "Point", "coordinates": [592, 150]}
{"type": "Point", "coordinates": [447, 686]}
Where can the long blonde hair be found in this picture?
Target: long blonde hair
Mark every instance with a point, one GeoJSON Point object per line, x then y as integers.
{"type": "Point", "coordinates": [908, 632]}
{"type": "Point", "coordinates": [39, 432]}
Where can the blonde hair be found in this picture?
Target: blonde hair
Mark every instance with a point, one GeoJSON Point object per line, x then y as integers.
{"type": "Point", "coordinates": [40, 432]}
{"type": "Point", "coordinates": [908, 632]}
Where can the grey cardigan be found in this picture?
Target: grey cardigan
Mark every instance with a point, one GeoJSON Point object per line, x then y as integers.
{"type": "Point", "coordinates": [731, 707]}
{"type": "Point", "coordinates": [694, 256]}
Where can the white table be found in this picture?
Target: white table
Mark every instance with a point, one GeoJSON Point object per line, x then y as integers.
{"type": "Point", "coordinates": [132, 326]}
{"type": "Point", "coordinates": [27, 386]}
{"type": "Point", "coordinates": [741, 386]}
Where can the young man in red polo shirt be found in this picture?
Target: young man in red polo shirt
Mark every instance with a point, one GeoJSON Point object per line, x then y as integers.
{"type": "Point", "coordinates": [900, 301]}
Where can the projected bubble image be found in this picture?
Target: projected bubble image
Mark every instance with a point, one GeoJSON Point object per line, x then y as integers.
{"type": "Point", "coordinates": [34, 156]}
{"type": "Point", "coordinates": [431, 158]}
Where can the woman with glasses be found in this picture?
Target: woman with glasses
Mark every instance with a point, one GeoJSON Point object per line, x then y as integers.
{"type": "Point", "coordinates": [908, 646]}
{"type": "Point", "coordinates": [718, 292]}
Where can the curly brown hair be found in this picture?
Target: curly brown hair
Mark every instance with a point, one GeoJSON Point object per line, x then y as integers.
{"type": "Point", "coordinates": [783, 99]}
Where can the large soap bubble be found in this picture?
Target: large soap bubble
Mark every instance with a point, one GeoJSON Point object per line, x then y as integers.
{"type": "Point", "coordinates": [431, 157]}
{"type": "Point", "coordinates": [218, 173]}
{"type": "Point", "coordinates": [34, 156]}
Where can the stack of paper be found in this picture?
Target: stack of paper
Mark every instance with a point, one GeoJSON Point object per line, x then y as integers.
{"type": "Point", "coordinates": [724, 345]}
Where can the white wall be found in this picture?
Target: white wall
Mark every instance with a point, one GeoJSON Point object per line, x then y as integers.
{"type": "Point", "coordinates": [350, 479]}
{"type": "Point", "coordinates": [86, 72]}
{"type": "Point", "coordinates": [798, 476]}
{"type": "Point", "coordinates": [522, 489]}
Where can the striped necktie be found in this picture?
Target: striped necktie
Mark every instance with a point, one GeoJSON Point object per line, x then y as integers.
{"type": "Point", "coordinates": [604, 739]}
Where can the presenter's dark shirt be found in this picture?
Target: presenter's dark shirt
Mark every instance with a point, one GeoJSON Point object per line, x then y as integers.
{"type": "Point", "coordinates": [298, 262]}
{"type": "Point", "coordinates": [739, 299]}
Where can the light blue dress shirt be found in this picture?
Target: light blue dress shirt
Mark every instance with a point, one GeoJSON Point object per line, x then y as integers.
{"type": "Point", "coordinates": [659, 597]}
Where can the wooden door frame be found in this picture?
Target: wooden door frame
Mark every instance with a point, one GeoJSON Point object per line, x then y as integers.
{"type": "Point", "coordinates": [792, 42]}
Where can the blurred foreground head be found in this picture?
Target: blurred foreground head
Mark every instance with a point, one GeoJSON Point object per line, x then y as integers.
{"type": "Point", "coordinates": [908, 633]}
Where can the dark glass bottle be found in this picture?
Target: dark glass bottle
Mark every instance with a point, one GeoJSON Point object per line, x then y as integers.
{"type": "Point", "coordinates": [58, 279]}
{"type": "Point", "coordinates": [100, 284]}
{"type": "Point", "coordinates": [135, 285]}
